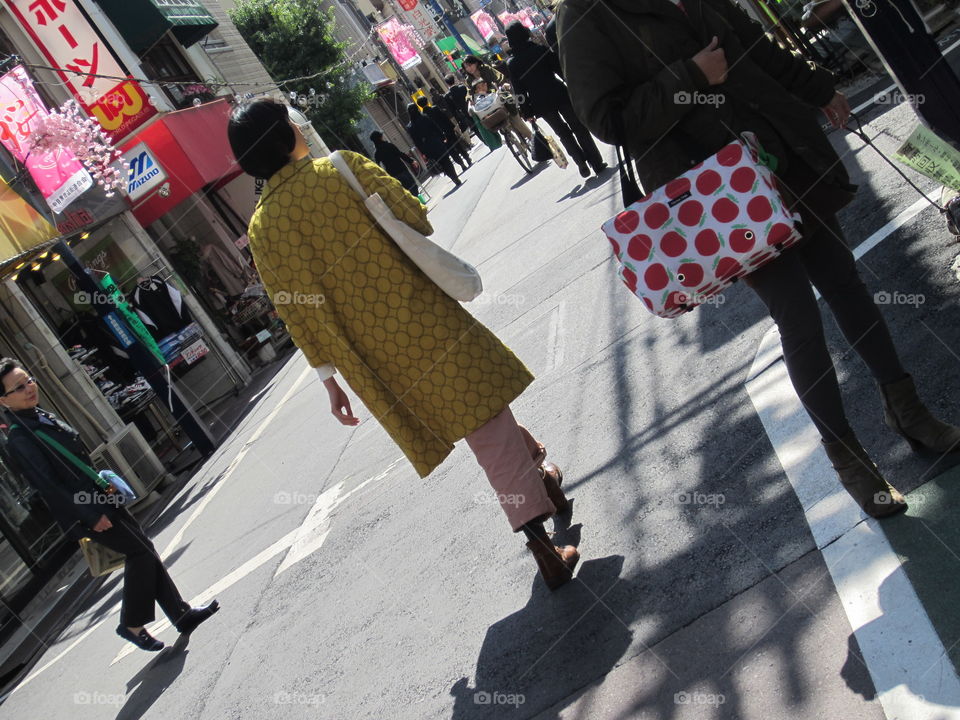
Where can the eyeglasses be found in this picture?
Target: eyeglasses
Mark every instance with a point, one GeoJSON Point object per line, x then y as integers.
{"type": "Point", "coordinates": [21, 387]}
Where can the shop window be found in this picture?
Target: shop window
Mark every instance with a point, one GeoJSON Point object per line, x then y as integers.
{"type": "Point", "coordinates": [165, 62]}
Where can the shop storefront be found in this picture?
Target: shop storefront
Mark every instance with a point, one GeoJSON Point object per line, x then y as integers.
{"type": "Point", "coordinates": [195, 203]}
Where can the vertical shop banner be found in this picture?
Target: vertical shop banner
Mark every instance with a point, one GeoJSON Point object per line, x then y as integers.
{"type": "Point", "coordinates": [59, 175]}
{"type": "Point", "coordinates": [485, 24]}
{"type": "Point", "coordinates": [398, 42]}
{"type": "Point", "coordinates": [421, 20]}
{"type": "Point", "coordinates": [69, 42]}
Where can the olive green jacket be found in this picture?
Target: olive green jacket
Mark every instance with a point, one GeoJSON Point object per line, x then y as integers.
{"type": "Point", "coordinates": [628, 65]}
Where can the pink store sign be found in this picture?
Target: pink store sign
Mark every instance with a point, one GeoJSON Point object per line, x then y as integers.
{"type": "Point", "coordinates": [397, 39]}
{"type": "Point", "coordinates": [59, 176]}
{"type": "Point", "coordinates": [485, 24]}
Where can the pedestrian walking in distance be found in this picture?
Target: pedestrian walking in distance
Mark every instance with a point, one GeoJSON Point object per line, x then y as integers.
{"type": "Point", "coordinates": [534, 71]}
{"type": "Point", "coordinates": [431, 141]}
{"type": "Point", "coordinates": [82, 509]}
{"type": "Point", "coordinates": [440, 118]}
{"type": "Point", "coordinates": [423, 366]}
{"type": "Point", "coordinates": [456, 100]}
{"type": "Point", "coordinates": [394, 161]}
{"type": "Point", "coordinates": [633, 68]}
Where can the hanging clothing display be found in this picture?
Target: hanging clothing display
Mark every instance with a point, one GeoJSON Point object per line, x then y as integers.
{"type": "Point", "coordinates": [160, 305]}
{"type": "Point", "coordinates": [234, 274]}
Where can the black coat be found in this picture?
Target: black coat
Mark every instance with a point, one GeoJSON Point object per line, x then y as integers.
{"type": "Point", "coordinates": [534, 72]}
{"type": "Point", "coordinates": [429, 138]}
{"type": "Point", "coordinates": [456, 98]}
{"type": "Point", "coordinates": [393, 160]}
{"type": "Point", "coordinates": [75, 501]}
{"type": "Point", "coordinates": [628, 67]}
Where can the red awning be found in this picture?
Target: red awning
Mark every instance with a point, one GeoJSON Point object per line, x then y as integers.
{"type": "Point", "coordinates": [192, 150]}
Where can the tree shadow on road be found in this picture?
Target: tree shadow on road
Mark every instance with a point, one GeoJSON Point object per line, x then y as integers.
{"type": "Point", "coordinates": [556, 634]}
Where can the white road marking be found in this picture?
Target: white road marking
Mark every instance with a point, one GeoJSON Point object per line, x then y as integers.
{"type": "Point", "coordinates": [913, 676]}
{"type": "Point", "coordinates": [212, 493]}
{"type": "Point", "coordinates": [299, 543]}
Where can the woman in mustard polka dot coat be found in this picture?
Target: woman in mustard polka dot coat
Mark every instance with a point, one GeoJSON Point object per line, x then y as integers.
{"type": "Point", "coordinates": [356, 304]}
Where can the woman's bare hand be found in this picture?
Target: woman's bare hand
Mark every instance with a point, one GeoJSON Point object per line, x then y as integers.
{"type": "Point", "coordinates": [340, 403]}
{"type": "Point", "coordinates": [712, 62]}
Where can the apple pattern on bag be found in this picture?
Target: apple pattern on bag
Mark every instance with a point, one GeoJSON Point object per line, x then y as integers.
{"type": "Point", "coordinates": [676, 257]}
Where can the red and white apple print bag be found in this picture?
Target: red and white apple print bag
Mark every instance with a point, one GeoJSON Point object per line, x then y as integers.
{"type": "Point", "coordinates": [688, 240]}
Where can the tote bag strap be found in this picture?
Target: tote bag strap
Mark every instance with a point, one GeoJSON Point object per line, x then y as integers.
{"type": "Point", "coordinates": [340, 163]}
{"type": "Point", "coordinates": [629, 187]}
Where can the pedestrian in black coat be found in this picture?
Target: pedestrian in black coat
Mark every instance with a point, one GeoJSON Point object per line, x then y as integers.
{"type": "Point", "coordinates": [534, 73]}
{"type": "Point", "coordinates": [430, 140]}
{"type": "Point", "coordinates": [82, 509]}
{"type": "Point", "coordinates": [455, 146]}
{"type": "Point", "coordinates": [394, 161]}
{"type": "Point", "coordinates": [456, 101]}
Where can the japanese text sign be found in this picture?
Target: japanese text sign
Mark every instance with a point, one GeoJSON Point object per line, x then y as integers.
{"type": "Point", "coordinates": [67, 40]}
{"type": "Point", "coordinates": [59, 176]}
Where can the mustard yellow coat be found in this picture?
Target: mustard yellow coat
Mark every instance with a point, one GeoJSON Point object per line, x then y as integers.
{"type": "Point", "coordinates": [423, 366]}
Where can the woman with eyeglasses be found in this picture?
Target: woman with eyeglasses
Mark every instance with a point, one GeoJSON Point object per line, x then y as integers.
{"type": "Point", "coordinates": [82, 509]}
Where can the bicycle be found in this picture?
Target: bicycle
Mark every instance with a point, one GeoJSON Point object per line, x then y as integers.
{"type": "Point", "coordinates": [494, 115]}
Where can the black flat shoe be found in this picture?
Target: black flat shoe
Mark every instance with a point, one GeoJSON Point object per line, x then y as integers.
{"type": "Point", "coordinates": [192, 619]}
{"type": "Point", "coordinates": [143, 639]}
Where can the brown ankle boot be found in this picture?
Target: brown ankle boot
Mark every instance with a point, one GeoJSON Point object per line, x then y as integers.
{"type": "Point", "coordinates": [552, 478]}
{"type": "Point", "coordinates": [862, 479]}
{"type": "Point", "coordinates": [556, 563]}
{"type": "Point", "coordinates": [906, 414]}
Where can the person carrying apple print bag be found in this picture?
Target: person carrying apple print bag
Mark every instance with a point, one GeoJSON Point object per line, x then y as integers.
{"type": "Point", "coordinates": [675, 82]}
{"type": "Point", "coordinates": [424, 367]}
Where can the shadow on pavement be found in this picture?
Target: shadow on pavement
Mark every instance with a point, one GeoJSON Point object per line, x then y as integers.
{"type": "Point", "coordinates": [519, 659]}
{"type": "Point", "coordinates": [153, 680]}
{"type": "Point", "coordinates": [537, 169]}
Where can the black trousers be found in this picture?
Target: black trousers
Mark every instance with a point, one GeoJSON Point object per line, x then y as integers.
{"type": "Point", "coordinates": [145, 579]}
{"type": "Point", "coordinates": [573, 135]}
{"type": "Point", "coordinates": [457, 153]}
{"type": "Point", "coordinates": [784, 286]}
{"type": "Point", "coordinates": [446, 164]}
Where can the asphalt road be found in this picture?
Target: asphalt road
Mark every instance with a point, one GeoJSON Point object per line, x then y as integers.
{"type": "Point", "coordinates": [352, 589]}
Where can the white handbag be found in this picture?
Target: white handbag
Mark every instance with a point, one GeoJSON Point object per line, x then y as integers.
{"type": "Point", "coordinates": [457, 278]}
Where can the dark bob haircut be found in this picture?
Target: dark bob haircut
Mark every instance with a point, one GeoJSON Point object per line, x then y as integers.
{"type": "Point", "coordinates": [376, 136]}
{"type": "Point", "coordinates": [473, 60]}
{"type": "Point", "coordinates": [518, 33]}
{"type": "Point", "coordinates": [7, 366]}
{"type": "Point", "coordinates": [261, 137]}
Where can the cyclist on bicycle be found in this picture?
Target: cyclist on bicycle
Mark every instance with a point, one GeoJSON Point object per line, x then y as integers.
{"type": "Point", "coordinates": [482, 80]}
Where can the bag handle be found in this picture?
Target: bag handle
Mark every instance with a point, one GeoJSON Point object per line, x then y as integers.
{"type": "Point", "coordinates": [340, 163]}
{"type": "Point", "coordinates": [629, 187]}
{"type": "Point", "coordinates": [77, 462]}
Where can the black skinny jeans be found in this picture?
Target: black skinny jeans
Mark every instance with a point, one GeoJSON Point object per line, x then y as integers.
{"type": "Point", "coordinates": [145, 579]}
{"type": "Point", "coordinates": [573, 135]}
{"type": "Point", "coordinates": [783, 285]}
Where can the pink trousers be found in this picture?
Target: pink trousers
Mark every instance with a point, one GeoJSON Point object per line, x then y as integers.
{"type": "Point", "coordinates": [506, 452]}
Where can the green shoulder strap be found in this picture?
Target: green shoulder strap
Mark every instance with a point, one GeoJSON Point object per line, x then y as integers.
{"type": "Point", "coordinates": [80, 464]}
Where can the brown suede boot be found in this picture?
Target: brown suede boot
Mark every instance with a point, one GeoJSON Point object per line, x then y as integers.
{"type": "Point", "coordinates": [556, 563]}
{"type": "Point", "coordinates": [906, 414]}
{"type": "Point", "coordinates": [862, 479]}
{"type": "Point", "coordinates": [552, 478]}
